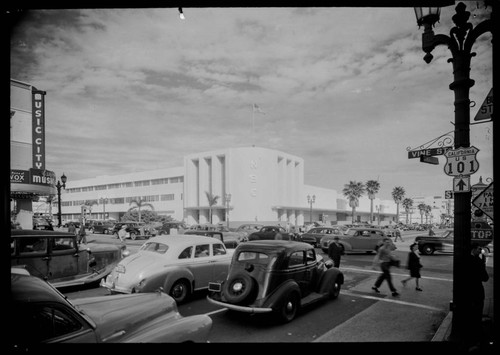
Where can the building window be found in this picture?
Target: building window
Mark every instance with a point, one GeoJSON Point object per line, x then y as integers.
{"type": "Point", "coordinates": [169, 197]}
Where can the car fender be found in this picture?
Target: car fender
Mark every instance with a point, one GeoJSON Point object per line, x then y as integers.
{"type": "Point", "coordinates": [328, 278]}
{"type": "Point", "coordinates": [166, 278]}
{"type": "Point", "coordinates": [274, 300]}
{"type": "Point", "coordinates": [347, 246]}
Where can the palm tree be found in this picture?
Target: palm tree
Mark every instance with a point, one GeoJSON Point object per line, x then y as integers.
{"type": "Point", "coordinates": [212, 201]}
{"type": "Point", "coordinates": [372, 187]}
{"type": "Point", "coordinates": [138, 205]}
{"type": "Point", "coordinates": [353, 191]}
{"type": "Point", "coordinates": [88, 205]}
{"type": "Point", "coordinates": [407, 204]}
{"type": "Point", "coordinates": [421, 208]}
{"type": "Point", "coordinates": [398, 193]}
{"type": "Point", "coordinates": [428, 210]}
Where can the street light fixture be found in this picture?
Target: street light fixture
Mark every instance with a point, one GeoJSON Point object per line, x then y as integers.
{"type": "Point", "coordinates": [460, 42]}
{"type": "Point", "coordinates": [58, 186]}
{"type": "Point", "coordinates": [103, 200]}
{"type": "Point", "coordinates": [227, 199]}
{"type": "Point", "coordinates": [311, 200]}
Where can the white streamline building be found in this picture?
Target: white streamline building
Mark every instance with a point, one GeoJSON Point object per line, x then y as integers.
{"type": "Point", "coordinates": [265, 186]}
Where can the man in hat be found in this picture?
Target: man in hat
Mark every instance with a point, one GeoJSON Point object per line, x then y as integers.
{"type": "Point", "coordinates": [335, 250]}
{"type": "Point", "coordinates": [122, 233]}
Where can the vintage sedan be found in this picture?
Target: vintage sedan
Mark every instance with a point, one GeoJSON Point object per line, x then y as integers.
{"type": "Point", "coordinates": [357, 239]}
{"type": "Point", "coordinates": [277, 277]}
{"type": "Point", "coordinates": [230, 241]}
{"type": "Point", "coordinates": [178, 264]}
{"type": "Point", "coordinates": [314, 235]}
{"type": "Point", "coordinates": [41, 314]}
{"type": "Point", "coordinates": [443, 242]}
{"type": "Point", "coordinates": [57, 257]}
{"type": "Point", "coordinates": [270, 232]}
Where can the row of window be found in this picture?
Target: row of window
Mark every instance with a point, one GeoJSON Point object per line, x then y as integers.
{"type": "Point", "coordinates": [162, 181]}
{"type": "Point", "coordinates": [120, 200]}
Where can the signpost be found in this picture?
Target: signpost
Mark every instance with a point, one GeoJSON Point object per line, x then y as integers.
{"type": "Point", "coordinates": [486, 110]}
{"type": "Point", "coordinates": [484, 201]}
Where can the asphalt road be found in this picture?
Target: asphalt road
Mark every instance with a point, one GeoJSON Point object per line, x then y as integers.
{"type": "Point", "coordinates": [327, 321]}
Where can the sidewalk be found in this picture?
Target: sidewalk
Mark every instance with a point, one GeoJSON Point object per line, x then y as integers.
{"type": "Point", "coordinates": [421, 318]}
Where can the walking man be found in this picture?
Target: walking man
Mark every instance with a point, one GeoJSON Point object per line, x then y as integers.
{"type": "Point", "coordinates": [387, 259]}
{"type": "Point", "coordinates": [335, 250]}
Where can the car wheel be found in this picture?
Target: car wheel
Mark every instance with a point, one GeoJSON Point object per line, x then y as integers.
{"type": "Point", "coordinates": [180, 291]}
{"type": "Point", "coordinates": [238, 288]}
{"type": "Point", "coordinates": [335, 290]}
{"type": "Point", "coordinates": [289, 307]}
{"type": "Point", "coordinates": [427, 249]}
{"type": "Point", "coordinates": [106, 231]}
{"type": "Point", "coordinates": [133, 236]}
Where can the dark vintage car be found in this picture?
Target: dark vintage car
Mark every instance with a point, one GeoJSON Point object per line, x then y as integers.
{"type": "Point", "coordinates": [230, 241]}
{"type": "Point", "coordinates": [270, 232]}
{"type": "Point", "coordinates": [314, 235]}
{"type": "Point", "coordinates": [41, 314]}
{"type": "Point", "coordinates": [40, 223]}
{"type": "Point", "coordinates": [102, 227]}
{"type": "Point", "coordinates": [357, 239]}
{"type": "Point", "coordinates": [134, 229]}
{"type": "Point", "coordinates": [57, 257]}
{"type": "Point", "coordinates": [443, 242]}
{"type": "Point", "coordinates": [277, 277]}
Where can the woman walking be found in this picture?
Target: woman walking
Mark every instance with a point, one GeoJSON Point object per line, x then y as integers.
{"type": "Point", "coordinates": [414, 266]}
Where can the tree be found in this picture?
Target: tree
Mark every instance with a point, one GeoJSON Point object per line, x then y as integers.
{"type": "Point", "coordinates": [353, 191]}
{"type": "Point", "coordinates": [138, 205]}
{"type": "Point", "coordinates": [212, 201]}
{"type": "Point", "coordinates": [372, 188]}
{"type": "Point", "coordinates": [428, 210]}
{"type": "Point", "coordinates": [407, 204]}
{"type": "Point", "coordinates": [398, 193]}
{"type": "Point", "coordinates": [421, 208]}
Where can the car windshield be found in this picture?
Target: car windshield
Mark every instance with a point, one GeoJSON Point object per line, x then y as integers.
{"type": "Point", "coordinates": [159, 248]}
{"type": "Point", "coordinates": [256, 258]}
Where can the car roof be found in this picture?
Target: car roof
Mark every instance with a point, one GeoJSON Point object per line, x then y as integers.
{"type": "Point", "coordinates": [182, 239]}
{"type": "Point", "coordinates": [274, 244]}
{"type": "Point", "coordinates": [27, 288]}
{"type": "Point", "coordinates": [38, 233]}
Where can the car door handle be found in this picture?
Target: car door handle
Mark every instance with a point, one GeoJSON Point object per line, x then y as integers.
{"type": "Point", "coordinates": [46, 258]}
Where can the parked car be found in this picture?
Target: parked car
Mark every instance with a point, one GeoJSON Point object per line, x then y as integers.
{"type": "Point", "coordinates": [76, 223]}
{"type": "Point", "coordinates": [102, 227]}
{"type": "Point", "coordinates": [166, 227]}
{"type": "Point", "coordinates": [43, 315]}
{"type": "Point", "coordinates": [178, 264]}
{"type": "Point", "coordinates": [270, 232]}
{"type": "Point", "coordinates": [230, 241]}
{"type": "Point", "coordinates": [133, 228]}
{"type": "Point", "coordinates": [277, 277]}
{"type": "Point", "coordinates": [443, 242]}
{"type": "Point", "coordinates": [314, 235]}
{"type": "Point", "coordinates": [246, 229]}
{"type": "Point", "coordinates": [57, 257]}
{"type": "Point", "coordinates": [40, 223]}
{"type": "Point", "coordinates": [357, 239]}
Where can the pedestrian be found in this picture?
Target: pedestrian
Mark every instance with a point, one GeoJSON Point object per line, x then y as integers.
{"type": "Point", "coordinates": [335, 250]}
{"type": "Point", "coordinates": [397, 234]}
{"type": "Point", "coordinates": [122, 233]}
{"type": "Point", "coordinates": [82, 234]}
{"type": "Point", "coordinates": [431, 232]}
{"type": "Point", "coordinates": [413, 264]}
{"type": "Point", "coordinates": [476, 275]}
{"type": "Point", "coordinates": [387, 260]}
{"type": "Point", "coordinates": [72, 228]}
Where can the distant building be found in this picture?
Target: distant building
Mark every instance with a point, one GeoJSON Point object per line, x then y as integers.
{"type": "Point", "coordinates": [266, 186]}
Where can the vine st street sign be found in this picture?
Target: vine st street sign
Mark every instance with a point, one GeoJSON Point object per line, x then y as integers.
{"type": "Point", "coordinates": [461, 161]}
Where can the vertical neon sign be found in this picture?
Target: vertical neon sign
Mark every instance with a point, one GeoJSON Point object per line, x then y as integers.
{"type": "Point", "coordinates": [38, 127]}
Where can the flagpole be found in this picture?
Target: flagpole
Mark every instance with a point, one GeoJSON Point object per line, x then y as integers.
{"type": "Point", "coordinates": [253, 126]}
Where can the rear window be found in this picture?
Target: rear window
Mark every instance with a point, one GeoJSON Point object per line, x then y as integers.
{"type": "Point", "coordinates": [256, 258]}
{"type": "Point", "coordinates": [159, 248]}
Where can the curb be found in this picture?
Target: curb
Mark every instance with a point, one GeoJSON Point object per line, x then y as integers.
{"type": "Point", "coordinates": [444, 329]}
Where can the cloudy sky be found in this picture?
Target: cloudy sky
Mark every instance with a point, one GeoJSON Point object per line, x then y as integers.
{"type": "Point", "coordinates": [346, 89]}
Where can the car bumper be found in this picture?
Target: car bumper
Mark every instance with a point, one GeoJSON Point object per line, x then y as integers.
{"type": "Point", "coordinates": [234, 307]}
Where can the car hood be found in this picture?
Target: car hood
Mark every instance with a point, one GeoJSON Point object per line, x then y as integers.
{"type": "Point", "coordinates": [117, 316]}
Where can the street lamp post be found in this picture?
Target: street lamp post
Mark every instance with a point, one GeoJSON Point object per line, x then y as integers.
{"type": "Point", "coordinates": [227, 199]}
{"type": "Point", "coordinates": [103, 200]}
{"type": "Point", "coordinates": [58, 186]}
{"type": "Point", "coordinates": [378, 214]}
{"type": "Point", "coordinates": [460, 42]}
{"type": "Point", "coordinates": [310, 200]}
